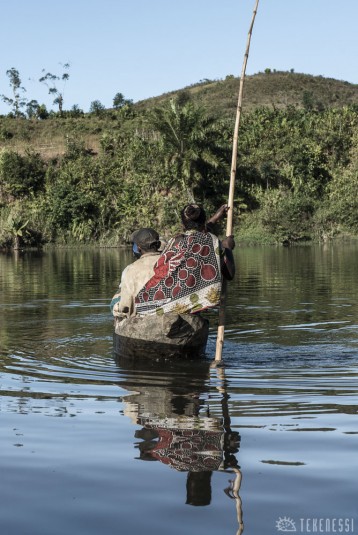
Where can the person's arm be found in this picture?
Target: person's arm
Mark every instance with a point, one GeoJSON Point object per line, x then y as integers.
{"type": "Point", "coordinates": [126, 304]}
{"type": "Point", "coordinates": [227, 258]}
{"type": "Point", "coordinates": [211, 224]}
{"type": "Point", "coordinates": [218, 214]}
{"type": "Point", "coordinates": [115, 303]}
{"type": "Point", "coordinates": [122, 301]}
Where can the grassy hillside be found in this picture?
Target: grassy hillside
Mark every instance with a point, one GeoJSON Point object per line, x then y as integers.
{"type": "Point", "coordinates": [278, 89]}
{"type": "Point", "coordinates": [219, 98]}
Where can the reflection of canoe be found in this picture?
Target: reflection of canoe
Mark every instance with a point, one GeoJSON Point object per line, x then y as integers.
{"type": "Point", "coordinates": [167, 336]}
{"type": "Point", "coordinates": [170, 404]}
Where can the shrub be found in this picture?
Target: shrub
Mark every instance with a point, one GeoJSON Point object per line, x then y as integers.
{"type": "Point", "coordinates": [20, 176]}
{"type": "Point", "coordinates": [287, 216]}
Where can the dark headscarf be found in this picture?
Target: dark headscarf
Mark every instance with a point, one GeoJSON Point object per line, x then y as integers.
{"type": "Point", "coordinates": [193, 217]}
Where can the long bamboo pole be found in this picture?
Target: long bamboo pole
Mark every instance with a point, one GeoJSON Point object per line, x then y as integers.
{"type": "Point", "coordinates": [222, 309]}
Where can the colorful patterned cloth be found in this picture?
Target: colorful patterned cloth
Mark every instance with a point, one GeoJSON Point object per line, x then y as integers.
{"type": "Point", "coordinates": [187, 276]}
{"type": "Point", "coordinates": [193, 450]}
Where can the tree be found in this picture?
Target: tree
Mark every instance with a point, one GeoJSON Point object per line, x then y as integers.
{"type": "Point", "coordinates": [286, 215]}
{"type": "Point", "coordinates": [17, 101]}
{"type": "Point", "coordinates": [97, 107]}
{"type": "Point", "coordinates": [42, 112]}
{"type": "Point", "coordinates": [32, 109]}
{"type": "Point", "coordinates": [76, 111]}
{"type": "Point", "coordinates": [189, 142]}
{"type": "Point", "coordinates": [119, 101]}
{"type": "Point", "coordinates": [51, 82]}
{"type": "Point", "coordinates": [342, 192]}
{"type": "Point", "coordinates": [20, 176]}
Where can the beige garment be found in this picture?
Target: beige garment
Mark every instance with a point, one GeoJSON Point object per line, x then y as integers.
{"type": "Point", "coordinates": [133, 279]}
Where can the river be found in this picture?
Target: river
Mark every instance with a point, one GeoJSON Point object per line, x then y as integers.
{"type": "Point", "coordinates": [265, 444]}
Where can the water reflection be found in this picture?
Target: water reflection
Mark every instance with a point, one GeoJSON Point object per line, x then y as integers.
{"type": "Point", "coordinates": [177, 428]}
{"type": "Point", "coordinates": [291, 373]}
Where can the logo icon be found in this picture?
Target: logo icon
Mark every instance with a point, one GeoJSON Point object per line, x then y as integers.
{"type": "Point", "coordinates": [285, 524]}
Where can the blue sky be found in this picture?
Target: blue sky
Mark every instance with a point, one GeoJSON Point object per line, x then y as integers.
{"type": "Point", "coordinates": [143, 48]}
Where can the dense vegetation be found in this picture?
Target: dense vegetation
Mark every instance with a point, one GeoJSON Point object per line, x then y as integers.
{"type": "Point", "coordinates": [72, 177]}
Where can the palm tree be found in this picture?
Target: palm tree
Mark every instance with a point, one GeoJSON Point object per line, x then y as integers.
{"type": "Point", "coordinates": [189, 140]}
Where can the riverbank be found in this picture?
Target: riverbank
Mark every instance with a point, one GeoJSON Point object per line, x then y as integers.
{"type": "Point", "coordinates": [248, 236]}
{"type": "Point", "coordinates": [296, 177]}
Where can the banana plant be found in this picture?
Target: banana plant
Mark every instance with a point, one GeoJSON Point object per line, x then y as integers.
{"type": "Point", "coordinates": [17, 228]}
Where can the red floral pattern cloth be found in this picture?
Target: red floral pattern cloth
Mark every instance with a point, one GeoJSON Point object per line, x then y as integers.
{"type": "Point", "coordinates": [187, 276]}
{"type": "Point", "coordinates": [193, 450]}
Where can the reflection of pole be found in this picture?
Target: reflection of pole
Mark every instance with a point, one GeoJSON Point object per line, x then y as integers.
{"type": "Point", "coordinates": [234, 489]}
{"type": "Point", "coordinates": [235, 492]}
{"type": "Point", "coordinates": [222, 388]}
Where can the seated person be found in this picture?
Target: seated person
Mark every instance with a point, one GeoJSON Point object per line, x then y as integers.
{"type": "Point", "coordinates": [145, 247]}
{"type": "Point", "coordinates": [188, 274]}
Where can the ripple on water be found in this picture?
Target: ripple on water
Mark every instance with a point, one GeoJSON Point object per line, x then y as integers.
{"type": "Point", "coordinates": [288, 387]}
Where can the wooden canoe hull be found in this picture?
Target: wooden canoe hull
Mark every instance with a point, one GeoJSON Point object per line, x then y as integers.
{"type": "Point", "coordinates": [168, 336]}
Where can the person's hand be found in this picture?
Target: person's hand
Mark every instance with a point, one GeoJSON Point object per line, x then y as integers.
{"type": "Point", "coordinates": [219, 214]}
{"type": "Point", "coordinates": [228, 242]}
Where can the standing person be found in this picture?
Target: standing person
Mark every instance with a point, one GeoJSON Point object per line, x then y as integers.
{"type": "Point", "coordinates": [146, 243]}
{"type": "Point", "coordinates": [188, 274]}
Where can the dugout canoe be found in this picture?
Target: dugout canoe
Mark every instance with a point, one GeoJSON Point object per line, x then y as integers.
{"type": "Point", "coordinates": [169, 336]}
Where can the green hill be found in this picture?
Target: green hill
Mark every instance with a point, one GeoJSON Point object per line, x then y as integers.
{"type": "Point", "coordinates": [219, 98]}
{"type": "Point", "coordinates": [274, 89]}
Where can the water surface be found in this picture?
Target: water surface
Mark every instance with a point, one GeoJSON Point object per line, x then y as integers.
{"type": "Point", "coordinates": [91, 444]}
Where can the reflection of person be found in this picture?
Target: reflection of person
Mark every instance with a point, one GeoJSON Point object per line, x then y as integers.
{"type": "Point", "coordinates": [145, 247]}
{"type": "Point", "coordinates": [183, 446]}
{"type": "Point", "coordinates": [176, 428]}
{"type": "Point", "coordinates": [187, 276]}
{"type": "Point", "coordinates": [187, 448]}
